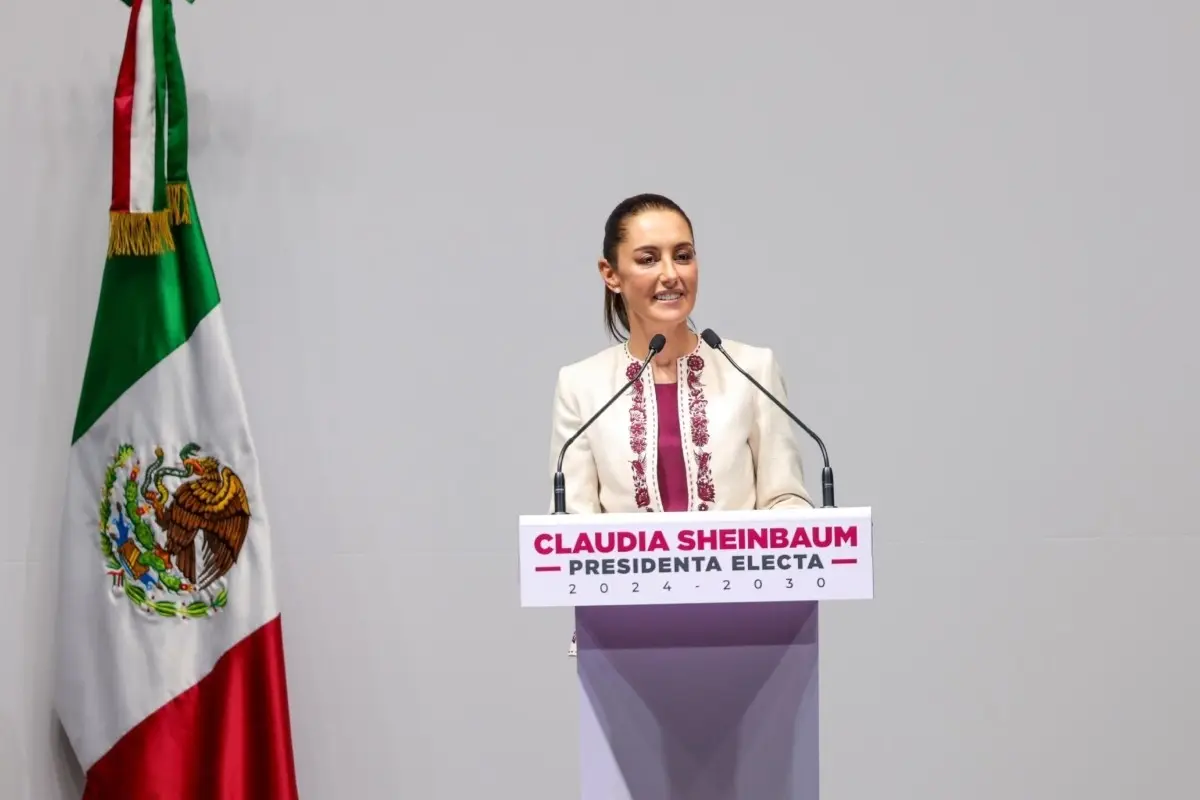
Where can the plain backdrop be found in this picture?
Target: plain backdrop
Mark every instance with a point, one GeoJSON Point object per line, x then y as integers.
{"type": "Point", "coordinates": [970, 230]}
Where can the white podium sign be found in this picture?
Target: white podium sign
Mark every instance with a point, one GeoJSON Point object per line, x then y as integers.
{"type": "Point", "coordinates": [696, 557]}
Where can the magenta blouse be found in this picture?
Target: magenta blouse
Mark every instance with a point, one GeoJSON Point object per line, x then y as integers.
{"type": "Point", "coordinates": [672, 474]}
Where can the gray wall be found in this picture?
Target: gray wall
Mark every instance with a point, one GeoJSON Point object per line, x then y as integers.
{"type": "Point", "coordinates": [969, 230]}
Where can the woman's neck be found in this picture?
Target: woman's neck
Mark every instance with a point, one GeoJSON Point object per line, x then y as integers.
{"type": "Point", "coordinates": [680, 342]}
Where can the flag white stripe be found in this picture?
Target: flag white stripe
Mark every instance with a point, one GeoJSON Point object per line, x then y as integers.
{"type": "Point", "coordinates": [118, 664]}
{"type": "Point", "coordinates": [142, 126]}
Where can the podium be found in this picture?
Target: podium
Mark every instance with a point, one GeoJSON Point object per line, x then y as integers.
{"type": "Point", "coordinates": [697, 643]}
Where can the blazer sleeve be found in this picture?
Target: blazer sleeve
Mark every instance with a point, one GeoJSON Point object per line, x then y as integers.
{"type": "Point", "coordinates": [579, 467]}
{"type": "Point", "coordinates": [778, 469]}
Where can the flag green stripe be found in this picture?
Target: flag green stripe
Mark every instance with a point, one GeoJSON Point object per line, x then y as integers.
{"type": "Point", "coordinates": [160, 105]}
{"type": "Point", "coordinates": [149, 306]}
{"type": "Point", "coordinates": [177, 115]}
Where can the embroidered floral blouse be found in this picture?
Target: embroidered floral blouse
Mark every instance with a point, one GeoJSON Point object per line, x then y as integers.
{"type": "Point", "coordinates": [719, 445]}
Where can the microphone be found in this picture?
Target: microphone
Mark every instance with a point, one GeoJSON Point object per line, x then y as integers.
{"type": "Point", "coordinates": [711, 338]}
{"type": "Point", "coordinates": [657, 343]}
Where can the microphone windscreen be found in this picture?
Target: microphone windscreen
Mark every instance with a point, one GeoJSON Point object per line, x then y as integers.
{"type": "Point", "coordinates": [657, 343]}
{"type": "Point", "coordinates": [711, 339]}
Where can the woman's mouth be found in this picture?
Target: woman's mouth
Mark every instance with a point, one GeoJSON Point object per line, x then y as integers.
{"type": "Point", "coordinates": [667, 297]}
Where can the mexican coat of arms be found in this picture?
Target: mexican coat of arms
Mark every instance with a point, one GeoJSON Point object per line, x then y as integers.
{"type": "Point", "coordinates": [152, 532]}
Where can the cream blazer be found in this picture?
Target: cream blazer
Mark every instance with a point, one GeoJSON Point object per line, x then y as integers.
{"type": "Point", "coordinates": [739, 448]}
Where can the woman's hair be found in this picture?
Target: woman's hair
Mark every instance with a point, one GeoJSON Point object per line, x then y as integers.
{"type": "Point", "coordinates": [616, 317]}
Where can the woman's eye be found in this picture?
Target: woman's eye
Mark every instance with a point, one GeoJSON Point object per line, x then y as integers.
{"type": "Point", "coordinates": [684, 255]}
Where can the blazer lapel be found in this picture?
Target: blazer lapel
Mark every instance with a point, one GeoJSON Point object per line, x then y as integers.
{"type": "Point", "coordinates": [694, 377]}
{"type": "Point", "coordinates": [643, 432]}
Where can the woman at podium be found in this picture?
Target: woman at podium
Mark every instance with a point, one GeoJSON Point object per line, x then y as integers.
{"type": "Point", "coordinates": [691, 434]}
{"type": "Point", "coordinates": [662, 421]}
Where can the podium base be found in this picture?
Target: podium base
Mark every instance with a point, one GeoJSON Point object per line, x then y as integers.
{"type": "Point", "coordinates": [699, 702]}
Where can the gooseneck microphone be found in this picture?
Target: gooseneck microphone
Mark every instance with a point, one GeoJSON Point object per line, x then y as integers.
{"type": "Point", "coordinates": [711, 338]}
{"type": "Point", "coordinates": [657, 343]}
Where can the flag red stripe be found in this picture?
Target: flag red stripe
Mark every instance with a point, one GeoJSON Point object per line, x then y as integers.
{"type": "Point", "coordinates": [226, 738]}
{"type": "Point", "coordinates": [123, 114]}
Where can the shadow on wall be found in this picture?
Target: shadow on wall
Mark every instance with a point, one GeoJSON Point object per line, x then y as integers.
{"type": "Point", "coordinates": [66, 766]}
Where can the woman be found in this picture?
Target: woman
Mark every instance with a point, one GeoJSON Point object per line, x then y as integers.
{"type": "Point", "coordinates": [693, 434]}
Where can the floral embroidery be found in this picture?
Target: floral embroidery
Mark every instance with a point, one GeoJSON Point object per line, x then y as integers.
{"type": "Point", "coordinates": [637, 438]}
{"type": "Point", "coordinates": [698, 411]}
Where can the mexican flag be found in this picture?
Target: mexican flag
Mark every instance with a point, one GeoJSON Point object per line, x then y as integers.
{"type": "Point", "coordinates": [170, 676]}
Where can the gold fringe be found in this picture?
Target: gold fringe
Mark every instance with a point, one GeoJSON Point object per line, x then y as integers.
{"type": "Point", "coordinates": [141, 234]}
{"type": "Point", "coordinates": [179, 199]}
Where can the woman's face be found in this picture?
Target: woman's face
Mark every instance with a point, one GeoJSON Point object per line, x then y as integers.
{"type": "Point", "coordinates": [656, 270]}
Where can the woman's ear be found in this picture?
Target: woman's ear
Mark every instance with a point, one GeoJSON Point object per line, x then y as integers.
{"type": "Point", "coordinates": [608, 273]}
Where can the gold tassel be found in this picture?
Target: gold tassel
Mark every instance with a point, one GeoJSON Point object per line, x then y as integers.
{"type": "Point", "coordinates": [179, 199]}
{"type": "Point", "coordinates": [139, 234]}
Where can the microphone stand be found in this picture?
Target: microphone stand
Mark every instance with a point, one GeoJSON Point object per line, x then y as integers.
{"type": "Point", "coordinates": [714, 342]}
